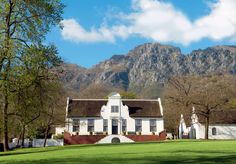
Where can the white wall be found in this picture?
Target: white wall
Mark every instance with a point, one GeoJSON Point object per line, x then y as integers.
{"type": "Point", "coordinates": [223, 131]}
{"type": "Point", "coordinates": [37, 143]}
{"type": "Point", "coordinates": [145, 126]}
{"type": "Point", "coordinates": [50, 142]}
{"type": "Point", "coordinates": [98, 125]}
{"type": "Point", "coordinates": [160, 125]}
{"type": "Point", "coordinates": [83, 130]}
{"type": "Point", "coordinates": [200, 130]}
{"type": "Point", "coordinates": [59, 130]}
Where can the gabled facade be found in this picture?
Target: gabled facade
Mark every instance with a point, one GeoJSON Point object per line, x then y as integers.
{"type": "Point", "coordinates": [114, 117]}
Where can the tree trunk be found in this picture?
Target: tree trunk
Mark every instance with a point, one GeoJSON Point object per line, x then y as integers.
{"type": "Point", "coordinates": [46, 136]}
{"type": "Point", "coordinates": [206, 127]}
{"type": "Point", "coordinates": [5, 124]}
{"type": "Point", "coordinates": [18, 141]}
{"type": "Point", "coordinates": [5, 53]}
{"type": "Point", "coordinates": [23, 137]}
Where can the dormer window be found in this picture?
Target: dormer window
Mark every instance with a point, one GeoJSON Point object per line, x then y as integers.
{"type": "Point", "coordinates": [114, 109]}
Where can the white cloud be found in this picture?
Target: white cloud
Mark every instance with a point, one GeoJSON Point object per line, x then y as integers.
{"type": "Point", "coordinates": [161, 21]}
{"type": "Point", "coordinates": [219, 24]}
{"type": "Point", "coordinates": [73, 31]}
{"type": "Point", "coordinates": [158, 21]}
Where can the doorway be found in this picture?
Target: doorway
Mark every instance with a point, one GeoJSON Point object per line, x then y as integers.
{"type": "Point", "coordinates": [193, 131]}
{"type": "Point", "coordinates": [114, 126]}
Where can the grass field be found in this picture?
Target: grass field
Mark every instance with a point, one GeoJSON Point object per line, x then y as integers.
{"type": "Point", "coordinates": [187, 151]}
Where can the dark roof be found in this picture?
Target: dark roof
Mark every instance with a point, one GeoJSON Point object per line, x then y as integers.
{"type": "Point", "coordinates": [142, 108]}
{"type": "Point", "coordinates": [85, 108]}
{"type": "Point", "coordinates": [92, 108]}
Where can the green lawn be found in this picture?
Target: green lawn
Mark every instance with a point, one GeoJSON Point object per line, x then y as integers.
{"type": "Point", "coordinates": [185, 151]}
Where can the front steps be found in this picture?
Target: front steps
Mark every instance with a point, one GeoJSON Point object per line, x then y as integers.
{"type": "Point", "coordinates": [114, 139]}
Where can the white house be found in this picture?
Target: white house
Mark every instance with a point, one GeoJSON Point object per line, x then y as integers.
{"type": "Point", "coordinates": [113, 118]}
{"type": "Point", "coordinates": [223, 126]}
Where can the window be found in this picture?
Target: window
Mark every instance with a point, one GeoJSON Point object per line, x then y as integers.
{"type": "Point", "coordinates": [105, 125]}
{"type": "Point", "coordinates": [153, 125]}
{"type": "Point", "coordinates": [138, 125]}
{"type": "Point", "coordinates": [124, 125]}
{"type": "Point", "coordinates": [90, 125]}
{"type": "Point", "coordinates": [76, 125]}
{"type": "Point", "coordinates": [213, 131]}
{"type": "Point", "coordinates": [114, 109]}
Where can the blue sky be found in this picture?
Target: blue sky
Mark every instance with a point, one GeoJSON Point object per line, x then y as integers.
{"type": "Point", "coordinates": [94, 30]}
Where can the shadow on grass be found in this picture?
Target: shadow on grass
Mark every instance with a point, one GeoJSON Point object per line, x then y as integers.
{"type": "Point", "coordinates": [29, 151]}
{"type": "Point", "coordinates": [146, 159]}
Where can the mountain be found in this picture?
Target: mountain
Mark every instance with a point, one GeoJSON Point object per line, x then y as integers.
{"type": "Point", "coordinates": [149, 65]}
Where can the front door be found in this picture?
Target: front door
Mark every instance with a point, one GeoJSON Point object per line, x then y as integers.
{"type": "Point", "coordinates": [193, 131]}
{"type": "Point", "coordinates": [114, 126]}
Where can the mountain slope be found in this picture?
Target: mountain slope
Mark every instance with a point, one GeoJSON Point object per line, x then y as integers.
{"type": "Point", "coordinates": [149, 64]}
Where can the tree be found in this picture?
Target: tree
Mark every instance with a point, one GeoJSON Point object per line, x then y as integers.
{"type": "Point", "coordinates": [151, 92]}
{"type": "Point", "coordinates": [54, 113]}
{"type": "Point", "coordinates": [128, 95]}
{"type": "Point", "coordinates": [33, 84]}
{"type": "Point", "coordinates": [208, 93]}
{"type": "Point", "coordinates": [233, 103]}
{"type": "Point", "coordinates": [22, 23]}
{"type": "Point", "coordinates": [96, 91]}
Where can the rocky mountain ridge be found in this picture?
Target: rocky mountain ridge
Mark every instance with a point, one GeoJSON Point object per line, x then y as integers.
{"type": "Point", "coordinates": [148, 64]}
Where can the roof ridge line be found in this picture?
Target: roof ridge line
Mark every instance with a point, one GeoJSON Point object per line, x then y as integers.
{"type": "Point", "coordinates": [91, 99]}
{"type": "Point", "coordinates": [121, 99]}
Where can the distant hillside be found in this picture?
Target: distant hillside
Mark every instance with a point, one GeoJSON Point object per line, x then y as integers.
{"type": "Point", "coordinates": [147, 66]}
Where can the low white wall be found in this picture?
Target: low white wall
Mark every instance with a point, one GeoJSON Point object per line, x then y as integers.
{"type": "Point", "coordinates": [13, 144]}
{"type": "Point", "coordinates": [37, 143]}
{"type": "Point", "coordinates": [50, 142]}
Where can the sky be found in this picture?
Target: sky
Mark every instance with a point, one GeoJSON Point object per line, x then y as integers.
{"type": "Point", "coordinates": [94, 30]}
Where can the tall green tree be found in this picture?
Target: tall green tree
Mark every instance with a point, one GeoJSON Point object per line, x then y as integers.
{"type": "Point", "coordinates": [23, 23]}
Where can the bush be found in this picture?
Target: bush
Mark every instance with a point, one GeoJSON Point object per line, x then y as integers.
{"type": "Point", "coordinates": [59, 136]}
